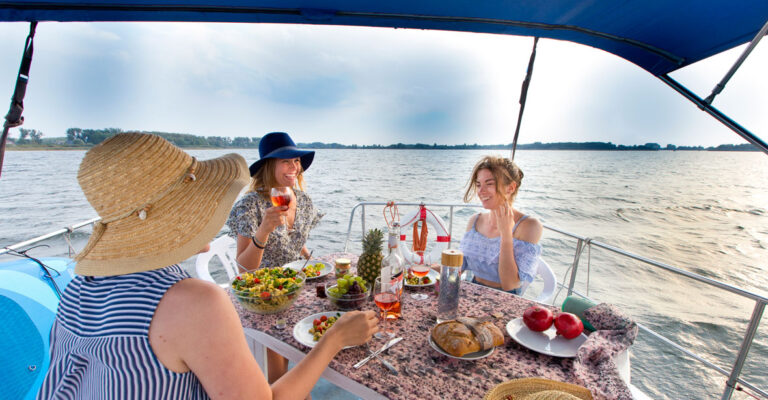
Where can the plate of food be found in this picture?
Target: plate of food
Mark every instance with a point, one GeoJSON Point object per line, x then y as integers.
{"type": "Point", "coordinates": [546, 342]}
{"type": "Point", "coordinates": [309, 330]}
{"type": "Point", "coordinates": [466, 338]}
{"type": "Point", "coordinates": [315, 269]}
{"type": "Point", "coordinates": [412, 280]}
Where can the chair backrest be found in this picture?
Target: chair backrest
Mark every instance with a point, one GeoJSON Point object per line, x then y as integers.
{"type": "Point", "coordinates": [225, 249]}
{"type": "Point", "coordinates": [550, 282]}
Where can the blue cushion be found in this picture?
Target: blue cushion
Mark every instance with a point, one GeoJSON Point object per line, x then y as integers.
{"type": "Point", "coordinates": [28, 306]}
{"type": "Point", "coordinates": [24, 354]}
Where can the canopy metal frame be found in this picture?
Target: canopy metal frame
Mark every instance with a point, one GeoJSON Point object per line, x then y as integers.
{"type": "Point", "coordinates": [715, 113]}
{"type": "Point", "coordinates": [721, 85]}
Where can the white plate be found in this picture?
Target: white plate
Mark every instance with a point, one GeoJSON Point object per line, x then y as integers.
{"type": "Point", "coordinates": [301, 329]}
{"type": "Point", "coordinates": [471, 356]}
{"type": "Point", "coordinates": [546, 342]}
{"type": "Point", "coordinates": [433, 276]}
{"type": "Point", "coordinates": [296, 265]}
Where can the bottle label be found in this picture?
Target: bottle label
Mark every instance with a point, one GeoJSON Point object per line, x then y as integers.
{"type": "Point", "coordinates": [393, 241]}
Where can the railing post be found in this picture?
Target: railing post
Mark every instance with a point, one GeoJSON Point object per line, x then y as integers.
{"type": "Point", "coordinates": [757, 314]}
{"type": "Point", "coordinates": [349, 226]}
{"type": "Point", "coordinates": [450, 229]}
{"type": "Point", "coordinates": [362, 220]}
{"type": "Point", "coordinates": [575, 266]}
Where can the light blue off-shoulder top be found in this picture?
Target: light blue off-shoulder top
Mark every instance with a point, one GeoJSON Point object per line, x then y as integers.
{"type": "Point", "coordinates": [481, 255]}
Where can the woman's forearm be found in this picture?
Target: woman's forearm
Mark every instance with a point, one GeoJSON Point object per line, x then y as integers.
{"type": "Point", "coordinates": [508, 272]}
{"type": "Point", "coordinates": [250, 256]}
{"type": "Point", "coordinates": [299, 380]}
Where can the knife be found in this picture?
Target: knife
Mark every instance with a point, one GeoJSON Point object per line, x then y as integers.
{"type": "Point", "coordinates": [375, 353]}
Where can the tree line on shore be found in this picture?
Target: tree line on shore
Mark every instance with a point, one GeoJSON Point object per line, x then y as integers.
{"type": "Point", "coordinates": [83, 138]}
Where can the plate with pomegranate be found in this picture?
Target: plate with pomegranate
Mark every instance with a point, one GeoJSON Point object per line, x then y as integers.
{"type": "Point", "coordinates": [546, 342]}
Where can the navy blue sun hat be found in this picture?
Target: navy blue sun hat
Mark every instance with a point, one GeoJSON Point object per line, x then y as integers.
{"type": "Point", "coordinates": [280, 145]}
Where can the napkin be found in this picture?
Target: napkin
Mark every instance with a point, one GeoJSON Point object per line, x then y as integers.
{"type": "Point", "coordinates": [615, 332]}
{"type": "Point", "coordinates": [577, 305]}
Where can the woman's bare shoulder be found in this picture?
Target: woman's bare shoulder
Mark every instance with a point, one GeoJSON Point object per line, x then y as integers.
{"type": "Point", "coordinates": [185, 316]}
{"type": "Point", "coordinates": [206, 337]}
{"type": "Point", "coordinates": [193, 307]}
{"type": "Point", "coordinates": [472, 220]}
{"type": "Point", "coordinates": [530, 230]}
{"type": "Point", "coordinates": [194, 289]}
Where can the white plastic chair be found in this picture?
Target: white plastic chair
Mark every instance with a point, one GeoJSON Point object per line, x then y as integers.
{"type": "Point", "coordinates": [543, 271]}
{"type": "Point", "coordinates": [225, 249]}
{"type": "Point", "coordinates": [550, 282]}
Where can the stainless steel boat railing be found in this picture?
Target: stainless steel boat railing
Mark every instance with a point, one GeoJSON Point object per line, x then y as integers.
{"type": "Point", "coordinates": [583, 242]}
{"type": "Point", "coordinates": [63, 231]}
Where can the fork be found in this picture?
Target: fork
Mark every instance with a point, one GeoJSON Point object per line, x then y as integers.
{"type": "Point", "coordinates": [308, 258]}
{"type": "Point", "coordinates": [386, 363]}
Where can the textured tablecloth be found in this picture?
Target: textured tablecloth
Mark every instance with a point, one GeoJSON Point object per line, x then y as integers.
{"type": "Point", "coordinates": [427, 374]}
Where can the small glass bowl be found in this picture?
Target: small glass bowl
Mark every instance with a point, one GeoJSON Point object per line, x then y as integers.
{"type": "Point", "coordinates": [347, 302]}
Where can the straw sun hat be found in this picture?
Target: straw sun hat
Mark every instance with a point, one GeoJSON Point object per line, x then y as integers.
{"type": "Point", "coordinates": [158, 205]}
{"type": "Point", "coordinates": [537, 389]}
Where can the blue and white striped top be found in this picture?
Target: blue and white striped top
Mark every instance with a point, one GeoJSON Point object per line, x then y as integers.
{"type": "Point", "coordinates": [100, 341]}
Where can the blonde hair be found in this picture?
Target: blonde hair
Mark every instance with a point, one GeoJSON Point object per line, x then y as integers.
{"type": "Point", "coordinates": [264, 179]}
{"type": "Point", "coordinates": [504, 171]}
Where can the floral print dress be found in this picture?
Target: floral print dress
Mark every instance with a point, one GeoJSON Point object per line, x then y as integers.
{"type": "Point", "coordinates": [282, 246]}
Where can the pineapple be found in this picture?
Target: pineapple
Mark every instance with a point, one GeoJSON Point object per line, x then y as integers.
{"type": "Point", "coordinates": [369, 263]}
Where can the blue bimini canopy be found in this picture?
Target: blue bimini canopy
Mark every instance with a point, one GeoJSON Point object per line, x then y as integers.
{"type": "Point", "coordinates": [660, 36]}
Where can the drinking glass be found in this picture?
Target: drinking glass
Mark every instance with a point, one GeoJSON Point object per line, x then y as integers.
{"type": "Point", "coordinates": [420, 271]}
{"type": "Point", "coordinates": [281, 196]}
{"type": "Point", "coordinates": [387, 296]}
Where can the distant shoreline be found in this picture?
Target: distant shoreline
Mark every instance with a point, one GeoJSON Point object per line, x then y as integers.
{"type": "Point", "coordinates": [81, 148]}
{"type": "Point", "coordinates": [83, 139]}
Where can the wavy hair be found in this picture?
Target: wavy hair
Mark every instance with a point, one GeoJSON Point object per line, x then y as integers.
{"type": "Point", "coordinates": [264, 179]}
{"type": "Point", "coordinates": [504, 171]}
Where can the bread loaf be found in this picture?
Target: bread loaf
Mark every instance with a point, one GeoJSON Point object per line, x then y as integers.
{"type": "Point", "coordinates": [458, 337]}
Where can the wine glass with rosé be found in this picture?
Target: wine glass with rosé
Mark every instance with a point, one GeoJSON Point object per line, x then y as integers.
{"type": "Point", "coordinates": [387, 296]}
{"type": "Point", "coordinates": [420, 271]}
{"type": "Point", "coordinates": [281, 196]}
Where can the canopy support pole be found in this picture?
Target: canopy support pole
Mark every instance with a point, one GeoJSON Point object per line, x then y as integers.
{"type": "Point", "coordinates": [14, 118]}
{"type": "Point", "coordinates": [714, 112]}
{"type": "Point", "coordinates": [720, 86]}
{"type": "Point", "coordinates": [524, 95]}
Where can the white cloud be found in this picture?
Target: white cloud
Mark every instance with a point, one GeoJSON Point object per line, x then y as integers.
{"type": "Point", "coordinates": [361, 85]}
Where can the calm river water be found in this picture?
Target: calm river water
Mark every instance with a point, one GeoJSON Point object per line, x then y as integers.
{"type": "Point", "coordinates": [705, 212]}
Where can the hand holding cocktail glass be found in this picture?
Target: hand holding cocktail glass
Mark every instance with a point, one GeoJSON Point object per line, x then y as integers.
{"type": "Point", "coordinates": [281, 196]}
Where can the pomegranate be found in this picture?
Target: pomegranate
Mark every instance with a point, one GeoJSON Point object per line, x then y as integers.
{"type": "Point", "coordinates": [568, 325]}
{"type": "Point", "coordinates": [538, 318]}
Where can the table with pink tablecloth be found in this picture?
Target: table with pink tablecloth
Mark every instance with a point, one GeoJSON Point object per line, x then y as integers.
{"type": "Point", "coordinates": [425, 373]}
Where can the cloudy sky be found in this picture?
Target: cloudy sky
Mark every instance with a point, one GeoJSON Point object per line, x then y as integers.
{"type": "Point", "coordinates": [362, 85]}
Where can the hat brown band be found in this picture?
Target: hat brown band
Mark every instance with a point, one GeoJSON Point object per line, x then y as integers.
{"type": "Point", "coordinates": [141, 211]}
